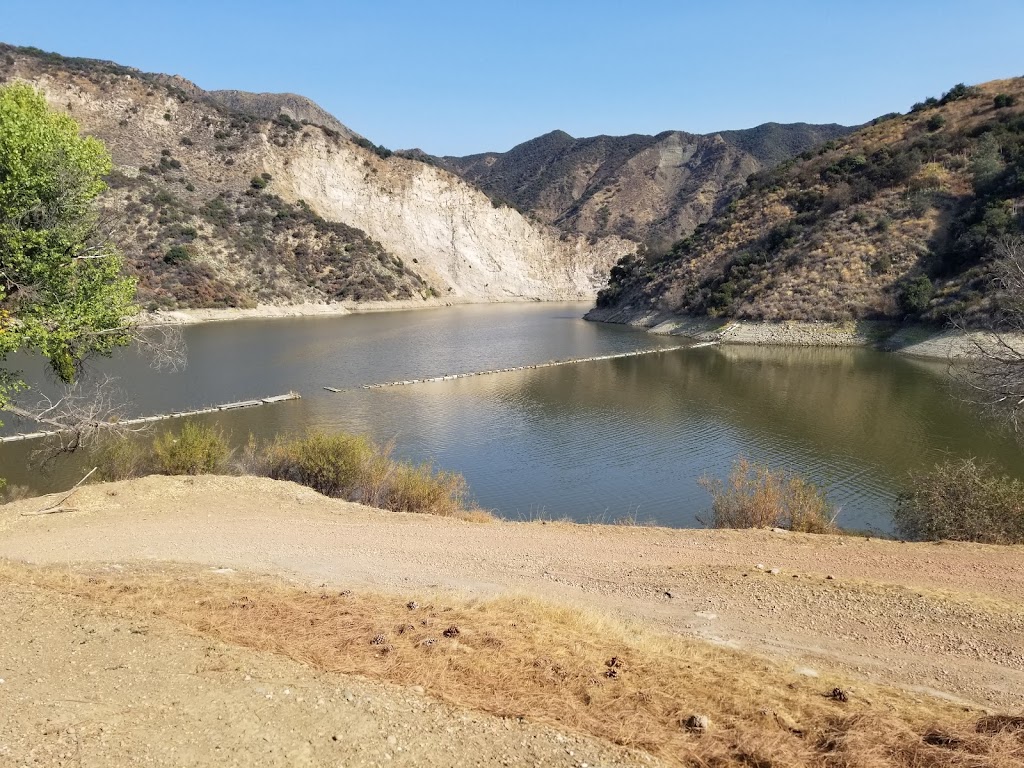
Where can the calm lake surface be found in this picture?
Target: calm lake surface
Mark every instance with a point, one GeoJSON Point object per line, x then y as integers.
{"type": "Point", "coordinates": [594, 441]}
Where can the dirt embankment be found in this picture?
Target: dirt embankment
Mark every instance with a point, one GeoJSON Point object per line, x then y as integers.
{"type": "Point", "coordinates": [945, 618]}
{"type": "Point", "coordinates": [86, 686]}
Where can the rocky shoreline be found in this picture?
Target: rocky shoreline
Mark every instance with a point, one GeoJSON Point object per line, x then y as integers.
{"type": "Point", "coordinates": [905, 339]}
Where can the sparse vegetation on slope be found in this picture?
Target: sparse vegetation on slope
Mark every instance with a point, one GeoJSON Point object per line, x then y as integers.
{"type": "Point", "coordinates": [237, 249]}
{"type": "Point", "coordinates": [651, 189]}
{"type": "Point", "coordinates": [380, 227]}
{"type": "Point", "coordinates": [196, 230]}
{"type": "Point", "coordinates": [900, 219]}
{"type": "Point", "coordinates": [686, 701]}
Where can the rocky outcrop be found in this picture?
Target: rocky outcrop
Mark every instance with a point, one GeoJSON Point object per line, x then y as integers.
{"type": "Point", "coordinates": [268, 106]}
{"type": "Point", "coordinates": [456, 238]}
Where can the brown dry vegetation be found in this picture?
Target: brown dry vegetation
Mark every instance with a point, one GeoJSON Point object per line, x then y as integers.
{"type": "Point", "coordinates": [755, 496]}
{"type": "Point", "coordinates": [522, 658]}
{"type": "Point", "coordinates": [339, 465]}
{"type": "Point", "coordinates": [841, 233]}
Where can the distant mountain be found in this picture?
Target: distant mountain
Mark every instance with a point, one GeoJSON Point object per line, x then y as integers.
{"type": "Point", "coordinates": [651, 189]}
{"type": "Point", "coordinates": [899, 219]}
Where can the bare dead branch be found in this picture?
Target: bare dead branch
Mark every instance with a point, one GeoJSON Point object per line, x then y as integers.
{"type": "Point", "coordinates": [995, 372]}
{"type": "Point", "coordinates": [163, 344]}
{"type": "Point", "coordinates": [82, 414]}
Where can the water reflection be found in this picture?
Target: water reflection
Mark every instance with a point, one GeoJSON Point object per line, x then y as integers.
{"type": "Point", "coordinates": [598, 440]}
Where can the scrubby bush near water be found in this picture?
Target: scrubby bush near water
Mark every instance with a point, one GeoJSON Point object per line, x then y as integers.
{"type": "Point", "coordinates": [755, 496]}
{"type": "Point", "coordinates": [339, 465]}
{"type": "Point", "coordinates": [197, 450]}
{"type": "Point", "coordinates": [962, 500]}
{"type": "Point", "coordinates": [354, 467]}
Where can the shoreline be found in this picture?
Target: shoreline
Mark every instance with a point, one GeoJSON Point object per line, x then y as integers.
{"type": "Point", "coordinates": [911, 340]}
{"type": "Point", "coordinates": [339, 309]}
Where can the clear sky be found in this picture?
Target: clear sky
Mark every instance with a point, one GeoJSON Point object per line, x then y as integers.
{"type": "Point", "coordinates": [456, 77]}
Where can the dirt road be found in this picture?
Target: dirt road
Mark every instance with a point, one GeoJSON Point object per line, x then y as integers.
{"type": "Point", "coordinates": [947, 618]}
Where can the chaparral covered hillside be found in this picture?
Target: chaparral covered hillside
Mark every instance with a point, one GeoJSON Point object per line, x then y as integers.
{"type": "Point", "coordinates": [900, 219]}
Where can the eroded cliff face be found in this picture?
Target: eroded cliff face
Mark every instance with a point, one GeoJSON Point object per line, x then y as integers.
{"type": "Point", "coordinates": [279, 210]}
{"type": "Point", "coordinates": [451, 231]}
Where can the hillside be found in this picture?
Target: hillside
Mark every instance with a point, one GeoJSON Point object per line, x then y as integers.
{"type": "Point", "coordinates": [651, 189]}
{"type": "Point", "coordinates": [228, 199]}
{"type": "Point", "coordinates": [899, 219]}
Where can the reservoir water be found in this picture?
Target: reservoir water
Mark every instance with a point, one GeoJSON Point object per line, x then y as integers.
{"type": "Point", "coordinates": [599, 441]}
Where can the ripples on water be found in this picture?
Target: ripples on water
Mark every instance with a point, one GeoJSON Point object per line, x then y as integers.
{"type": "Point", "coordinates": [593, 441]}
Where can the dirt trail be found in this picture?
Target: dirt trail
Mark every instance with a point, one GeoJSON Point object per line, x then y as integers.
{"type": "Point", "coordinates": [946, 618]}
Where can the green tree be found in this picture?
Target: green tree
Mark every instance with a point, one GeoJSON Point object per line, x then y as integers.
{"type": "Point", "coordinates": [62, 293]}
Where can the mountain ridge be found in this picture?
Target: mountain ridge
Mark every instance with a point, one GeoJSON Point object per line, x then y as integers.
{"type": "Point", "coordinates": [652, 189]}
{"type": "Point", "coordinates": [900, 219]}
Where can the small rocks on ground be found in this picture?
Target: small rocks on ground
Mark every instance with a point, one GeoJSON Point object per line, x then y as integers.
{"type": "Point", "coordinates": [775, 571]}
{"type": "Point", "coordinates": [698, 723]}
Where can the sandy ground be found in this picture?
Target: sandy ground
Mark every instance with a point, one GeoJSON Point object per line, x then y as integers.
{"type": "Point", "coordinates": [84, 687]}
{"type": "Point", "coordinates": [944, 618]}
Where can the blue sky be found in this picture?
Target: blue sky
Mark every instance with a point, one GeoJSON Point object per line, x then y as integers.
{"type": "Point", "coordinates": [461, 77]}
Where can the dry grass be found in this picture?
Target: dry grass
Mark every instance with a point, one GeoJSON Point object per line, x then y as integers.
{"type": "Point", "coordinates": [339, 465]}
{"type": "Point", "coordinates": [354, 467]}
{"type": "Point", "coordinates": [755, 496]}
{"type": "Point", "coordinates": [518, 657]}
{"type": "Point", "coordinates": [962, 500]}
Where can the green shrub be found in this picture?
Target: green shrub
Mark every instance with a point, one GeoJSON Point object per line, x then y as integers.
{"type": "Point", "coordinates": [754, 496]}
{"type": "Point", "coordinates": [177, 254]}
{"type": "Point", "coordinates": [962, 500]}
{"type": "Point", "coordinates": [935, 122]}
{"type": "Point", "coordinates": [418, 488]}
{"type": "Point", "coordinates": [197, 450]}
{"type": "Point", "coordinates": [334, 465]}
{"type": "Point", "coordinates": [119, 458]}
{"type": "Point", "coordinates": [1003, 100]}
{"type": "Point", "coordinates": [915, 294]}
{"type": "Point", "coordinates": [258, 182]}
{"type": "Point", "coordinates": [958, 92]}
{"type": "Point", "coordinates": [882, 264]}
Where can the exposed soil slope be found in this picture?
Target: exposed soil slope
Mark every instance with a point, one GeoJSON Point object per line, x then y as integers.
{"type": "Point", "coordinates": [940, 617]}
{"type": "Point", "coordinates": [899, 219]}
